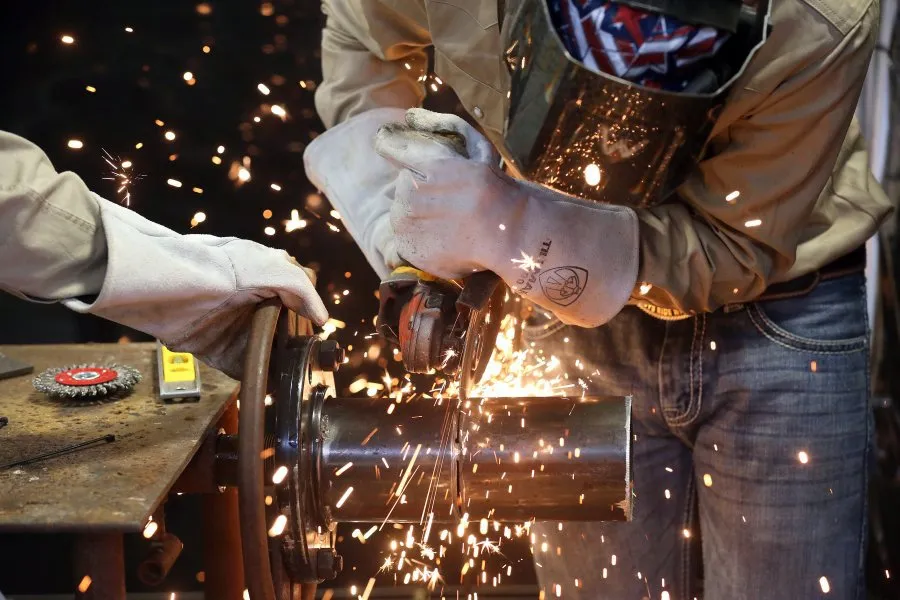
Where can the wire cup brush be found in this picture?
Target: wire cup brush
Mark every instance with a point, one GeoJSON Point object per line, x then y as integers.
{"type": "Point", "coordinates": [87, 382]}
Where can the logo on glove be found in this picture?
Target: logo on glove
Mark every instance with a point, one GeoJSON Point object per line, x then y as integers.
{"type": "Point", "coordinates": [563, 285]}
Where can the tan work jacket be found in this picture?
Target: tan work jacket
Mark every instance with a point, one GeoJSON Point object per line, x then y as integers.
{"type": "Point", "coordinates": [806, 196]}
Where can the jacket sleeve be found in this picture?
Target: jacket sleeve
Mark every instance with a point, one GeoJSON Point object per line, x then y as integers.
{"type": "Point", "coordinates": [52, 244]}
{"type": "Point", "coordinates": [372, 57]}
{"type": "Point", "coordinates": [745, 208]}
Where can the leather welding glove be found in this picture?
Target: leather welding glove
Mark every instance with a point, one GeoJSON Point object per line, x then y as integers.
{"type": "Point", "coordinates": [452, 216]}
{"type": "Point", "coordinates": [195, 293]}
{"type": "Point", "coordinates": [343, 165]}
{"type": "Point", "coordinates": [360, 184]}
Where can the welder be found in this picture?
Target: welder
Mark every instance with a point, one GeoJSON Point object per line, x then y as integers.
{"type": "Point", "coordinates": [60, 242]}
{"type": "Point", "coordinates": [684, 197]}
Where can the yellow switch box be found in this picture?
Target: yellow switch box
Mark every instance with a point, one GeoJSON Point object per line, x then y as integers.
{"type": "Point", "coordinates": [177, 366]}
{"type": "Point", "coordinates": [179, 374]}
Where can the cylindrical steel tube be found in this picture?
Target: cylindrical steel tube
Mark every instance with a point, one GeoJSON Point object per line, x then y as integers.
{"type": "Point", "coordinates": [504, 459]}
{"type": "Point", "coordinates": [565, 459]}
{"type": "Point", "coordinates": [225, 471]}
{"type": "Point", "coordinates": [376, 465]}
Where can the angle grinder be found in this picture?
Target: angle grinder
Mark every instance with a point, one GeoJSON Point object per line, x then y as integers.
{"type": "Point", "coordinates": [445, 326]}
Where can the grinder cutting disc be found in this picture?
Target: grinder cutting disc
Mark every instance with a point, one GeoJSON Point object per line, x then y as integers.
{"type": "Point", "coordinates": [484, 296]}
{"type": "Point", "coordinates": [87, 381]}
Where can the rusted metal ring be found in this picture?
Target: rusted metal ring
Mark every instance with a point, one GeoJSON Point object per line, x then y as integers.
{"type": "Point", "coordinates": [251, 494]}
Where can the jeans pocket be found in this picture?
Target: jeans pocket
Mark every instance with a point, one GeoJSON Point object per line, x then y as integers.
{"type": "Point", "coordinates": [831, 319]}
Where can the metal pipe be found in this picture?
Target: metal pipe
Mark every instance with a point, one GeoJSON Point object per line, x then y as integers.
{"type": "Point", "coordinates": [565, 459]}
{"type": "Point", "coordinates": [504, 459]}
{"type": "Point", "coordinates": [225, 461]}
{"type": "Point", "coordinates": [396, 463]}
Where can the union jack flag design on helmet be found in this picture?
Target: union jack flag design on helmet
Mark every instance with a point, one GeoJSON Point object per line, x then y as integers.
{"type": "Point", "coordinates": [647, 48]}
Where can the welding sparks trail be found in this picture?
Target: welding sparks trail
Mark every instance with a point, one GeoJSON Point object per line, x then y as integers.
{"type": "Point", "coordinates": [516, 373]}
{"type": "Point", "coordinates": [343, 498]}
{"type": "Point", "coordinates": [526, 263]}
{"type": "Point", "coordinates": [368, 590]}
{"type": "Point", "coordinates": [403, 482]}
{"type": "Point", "coordinates": [121, 173]}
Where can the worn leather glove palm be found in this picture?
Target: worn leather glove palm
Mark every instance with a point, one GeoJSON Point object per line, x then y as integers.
{"type": "Point", "coordinates": [452, 216]}
{"type": "Point", "coordinates": [196, 293]}
{"type": "Point", "coordinates": [360, 184]}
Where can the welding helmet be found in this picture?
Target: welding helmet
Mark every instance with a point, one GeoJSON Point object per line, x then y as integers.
{"type": "Point", "coordinates": [614, 101]}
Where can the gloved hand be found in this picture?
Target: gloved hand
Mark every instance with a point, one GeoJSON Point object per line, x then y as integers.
{"type": "Point", "coordinates": [452, 216]}
{"type": "Point", "coordinates": [360, 184]}
{"type": "Point", "coordinates": [195, 293]}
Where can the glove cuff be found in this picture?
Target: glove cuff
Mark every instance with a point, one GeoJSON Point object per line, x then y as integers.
{"type": "Point", "coordinates": [577, 260]}
{"type": "Point", "coordinates": [146, 260]}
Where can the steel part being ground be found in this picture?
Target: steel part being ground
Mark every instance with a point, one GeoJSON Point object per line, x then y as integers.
{"type": "Point", "coordinates": [364, 450]}
{"type": "Point", "coordinates": [571, 461]}
{"type": "Point", "coordinates": [362, 460]}
{"type": "Point", "coordinates": [87, 381]}
{"type": "Point", "coordinates": [547, 458]}
{"type": "Point", "coordinates": [375, 460]}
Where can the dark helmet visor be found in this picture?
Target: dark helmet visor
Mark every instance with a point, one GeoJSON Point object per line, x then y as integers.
{"type": "Point", "coordinates": [598, 137]}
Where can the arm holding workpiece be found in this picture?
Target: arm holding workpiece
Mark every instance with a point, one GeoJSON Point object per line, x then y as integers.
{"type": "Point", "coordinates": [60, 242]}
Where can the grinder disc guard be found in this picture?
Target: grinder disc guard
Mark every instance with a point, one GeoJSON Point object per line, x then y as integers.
{"type": "Point", "coordinates": [443, 326]}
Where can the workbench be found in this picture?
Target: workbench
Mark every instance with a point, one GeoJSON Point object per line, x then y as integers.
{"type": "Point", "coordinates": [105, 490]}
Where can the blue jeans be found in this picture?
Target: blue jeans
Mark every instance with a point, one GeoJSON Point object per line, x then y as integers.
{"type": "Point", "coordinates": [752, 436]}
